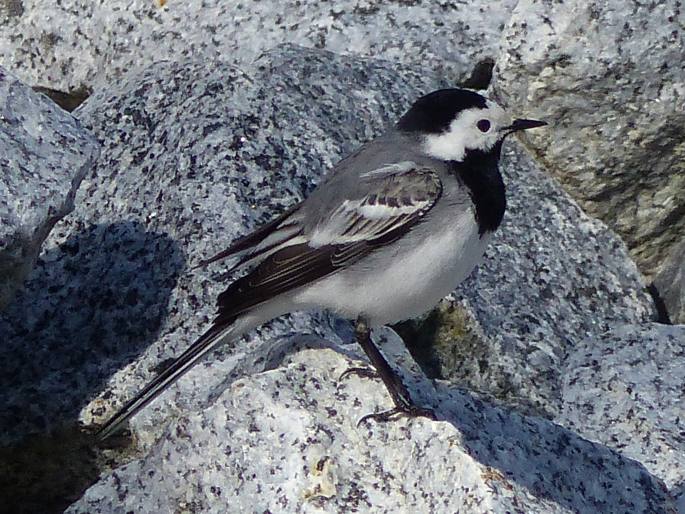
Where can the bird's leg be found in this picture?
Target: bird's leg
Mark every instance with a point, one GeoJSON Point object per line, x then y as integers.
{"type": "Point", "coordinates": [398, 391]}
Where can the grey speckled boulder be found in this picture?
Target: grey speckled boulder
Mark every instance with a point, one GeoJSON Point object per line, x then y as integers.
{"type": "Point", "coordinates": [670, 283]}
{"type": "Point", "coordinates": [287, 441]}
{"type": "Point", "coordinates": [610, 77]}
{"type": "Point", "coordinates": [44, 154]}
{"type": "Point", "coordinates": [626, 390]}
{"type": "Point", "coordinates": [73, 44]}
{"type": "Point", "coordinates": [197, 153]}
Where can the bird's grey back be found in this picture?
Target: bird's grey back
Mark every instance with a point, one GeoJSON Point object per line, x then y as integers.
{"type": "Point", "coordinates": [345, 180]}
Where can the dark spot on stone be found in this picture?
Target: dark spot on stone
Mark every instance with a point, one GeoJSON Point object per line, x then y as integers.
{"type": "Point", "coordinates": [47, 473]}
{"type": "Point", "coordinates": [263, 162]}
{"type": "Point", "coordinates": [67, 101]}
{"type": "Point", "coordinates": [659, 304]}
{"type": "Point", "coordinates": [208, 129]}
{"type": "Point", "coordinates": [49, 40]}
{"type": "Point", "coordinates": [11, 9]}
{"type": "Point", "coordinates": [481, 75]}
{"type": "Point", "coordinates": [131, 297]}
{"type": "Point", "coordinates": [158, 368]}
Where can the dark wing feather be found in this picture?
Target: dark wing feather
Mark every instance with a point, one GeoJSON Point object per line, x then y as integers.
{"type": "Point", "coordinates": [251, 241]}
{"type": "Point", "coordinates": [351, 235]}
{"type": "Point", "coordinates": [288, 269]}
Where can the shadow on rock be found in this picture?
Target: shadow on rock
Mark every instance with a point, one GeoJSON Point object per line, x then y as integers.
{"type": "Point", "coordinates": [93, 303]}
{"type": "Point", "coordinates": [678, 493]}
{"type": "Point", "coordinates": [551, 462]}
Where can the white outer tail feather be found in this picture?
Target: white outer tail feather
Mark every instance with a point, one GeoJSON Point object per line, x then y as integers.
{"type": "Point", "coordinates": [177, 369]}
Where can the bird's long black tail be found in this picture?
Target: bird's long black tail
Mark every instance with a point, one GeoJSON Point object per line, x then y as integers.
{"type": "Point", "coordinates": [167, 377]}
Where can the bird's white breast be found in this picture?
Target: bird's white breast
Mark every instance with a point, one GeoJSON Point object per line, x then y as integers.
{"type": "Point", "coordinates": [405, 279]}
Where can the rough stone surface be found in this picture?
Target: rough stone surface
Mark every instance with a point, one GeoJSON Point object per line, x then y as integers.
{"type": "Point", "coordinates": [288, 441]}
{"type": "Point", "coordinates": [610, 78]}
{"type": "Point", "coordinates": [670, 284]}
{"type": "Point", "coordinates": [551, 278]}
{"type": "Point", "coordinates": [192, 157]}
{"type": "Point", "coordinates": [44, 154]}
{"type": "Point", "coordinates": [625, 390]}
{"type": "Point", "coordinates": [75, 44]}
{"type": "Point", "coordinates": [195, 154]}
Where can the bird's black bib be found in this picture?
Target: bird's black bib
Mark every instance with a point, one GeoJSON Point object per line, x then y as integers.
{"type": "Point", "coordinates": [480, 174]}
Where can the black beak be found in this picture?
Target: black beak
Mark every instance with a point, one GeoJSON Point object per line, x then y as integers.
{"type": "Point", "coordinates": [524, 125]}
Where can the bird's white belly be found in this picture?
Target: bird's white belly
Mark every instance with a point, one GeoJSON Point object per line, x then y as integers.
{"type": "Point", "coordinates": [403, 280]}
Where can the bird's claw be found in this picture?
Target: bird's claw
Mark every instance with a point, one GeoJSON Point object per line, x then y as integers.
{"type": "Point", "coordinates": [411, 411]}
{"type": "Point", "coordinates": [360, 372]}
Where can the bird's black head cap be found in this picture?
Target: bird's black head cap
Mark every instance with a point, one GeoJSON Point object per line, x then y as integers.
{"type": "Point", "coordinates": [433, 113]}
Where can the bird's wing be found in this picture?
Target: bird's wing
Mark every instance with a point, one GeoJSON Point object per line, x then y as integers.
{"type": "Point", "coordinates": [390, 197]}
{"type": "Point", "coordinates": [393, 201]}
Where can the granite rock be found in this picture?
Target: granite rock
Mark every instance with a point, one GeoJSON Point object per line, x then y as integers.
{"type": "Point", "coordinates": [552, 277]}
{"type": "Point", "coordinates": [287, 440]}
{"type": "Point", "coordinates": [44, 154]}
{"type": "Point", "coordinates": [82, 44]}
{"type": "Point", "coordinates": [195, 154]}
{"type": "Point", "coordinates": [625, 390]}
{"type": "Point", "coordinates": [670, 284]}
{"type": "Point", "coordinates": [610, 79]}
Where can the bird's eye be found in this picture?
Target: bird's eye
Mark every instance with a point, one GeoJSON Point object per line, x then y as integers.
{"type": "Point", "coordinates": [483, 125]}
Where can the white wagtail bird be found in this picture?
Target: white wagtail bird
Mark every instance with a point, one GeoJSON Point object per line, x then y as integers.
{"type": "Point", "coordinates": [395, 227]}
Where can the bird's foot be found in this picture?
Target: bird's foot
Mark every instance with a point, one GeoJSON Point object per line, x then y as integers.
{"type": "Point", "coordinates": [360, 372]}
{"type": "Point", "coordinates": [411, 411]}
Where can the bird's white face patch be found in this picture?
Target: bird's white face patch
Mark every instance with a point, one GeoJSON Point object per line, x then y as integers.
{"type": "Point", "coordinates": [472, 129]}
